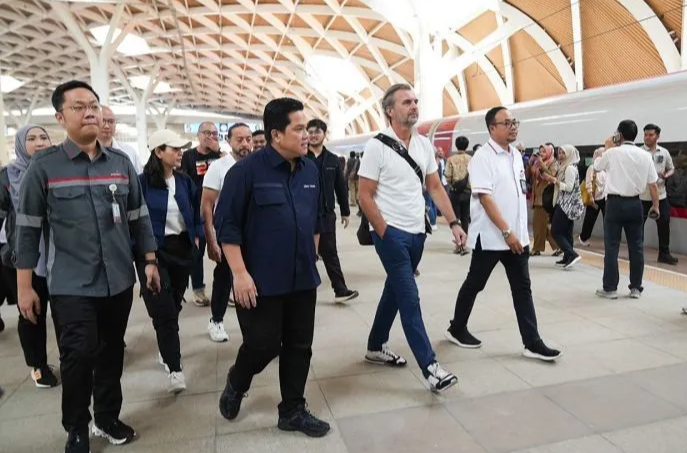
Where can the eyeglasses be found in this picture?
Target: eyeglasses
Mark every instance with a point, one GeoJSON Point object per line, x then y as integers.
{"type": "Point", "coordinates": [509, 124]}
{"type": "Point", "coordinates": [109, 122]}
{"type": "Point", "coordinates": [214, 134]}
{"type": "Point", "coordinates": [81, 109]}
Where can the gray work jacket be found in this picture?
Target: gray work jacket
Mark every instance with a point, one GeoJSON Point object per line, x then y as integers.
{"type": "Point", "coordinates": [69, 198]}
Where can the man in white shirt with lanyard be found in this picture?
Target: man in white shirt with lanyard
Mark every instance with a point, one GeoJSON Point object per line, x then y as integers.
{"type": "Point", "coordinates": [665, 169]}
{"type": "Point", "coordinates": [240, 141]}
{"type": "Point", "coordinates": [392, 200]}
{"type": "Point", "coordinates": [630, 170]}
{"type": "Point", "coordinates": [498, 233]}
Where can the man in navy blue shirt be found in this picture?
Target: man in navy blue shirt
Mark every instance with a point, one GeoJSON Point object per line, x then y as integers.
{"type": "Point", "coordinates": [267, 225]}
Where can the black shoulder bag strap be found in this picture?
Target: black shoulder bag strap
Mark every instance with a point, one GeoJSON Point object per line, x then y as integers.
{"type": "Point", "coordinates": [403, 152]}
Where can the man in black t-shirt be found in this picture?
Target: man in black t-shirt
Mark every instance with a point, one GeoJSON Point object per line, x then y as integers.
{"type": "Point", "coordinates": [195, 163]}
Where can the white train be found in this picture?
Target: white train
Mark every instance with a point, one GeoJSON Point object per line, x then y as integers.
{"type": "Point", "coordinates": [584, 119]}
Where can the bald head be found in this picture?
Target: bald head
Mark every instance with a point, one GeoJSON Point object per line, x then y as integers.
{"type": "Point", "coordinates": [108, 128]}
{"type": "Point", "coordinates": [207, 137]}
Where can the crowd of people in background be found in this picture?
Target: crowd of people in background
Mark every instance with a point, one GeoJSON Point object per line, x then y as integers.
{"type": "Point", "coordinates": [83, 219]}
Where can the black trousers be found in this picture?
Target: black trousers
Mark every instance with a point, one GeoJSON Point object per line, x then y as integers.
{"type": "Point", "coordinates": [662, 224]}
{"type": "Point", "coordinates": [92, 356]}
{"type": "Point", "coordinates": [221, 290]}
{"type": "Point", "coordinates": [461, 207]}
{"type": "Point", "coordinates": [164, 307]}
{"type": "Point", "coordinates": [562, 232]}
{"type": "Point", "coordinates": [33, 337]}
{"type": "Point", "coordinates": [518, 273]}
{"type": "Point", "coordinates": [590, 216]}
{"type": "Point", "coordinates": [623, 213]}
{"type": "Point", "coordinates": [5, 288]}
{"type": "Point", "coordinates": [278, 326]}
{"type": "Point", "coordinates": [330, 255]}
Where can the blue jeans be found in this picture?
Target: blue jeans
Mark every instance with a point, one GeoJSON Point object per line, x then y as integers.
{"type": "Point", "coordinates": [400, 254]}
{"type": "Point", "coordinates": [429, 203]}
{"type": "Point", "coordinates": [197, 274]}
{"type": "Point", "coordinates": [623, 214]}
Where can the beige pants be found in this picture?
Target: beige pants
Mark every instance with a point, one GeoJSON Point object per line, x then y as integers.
{"type": "Point", "coordinates": [353, 192]}
{"type": "Point", "coordinates": [542, 230]}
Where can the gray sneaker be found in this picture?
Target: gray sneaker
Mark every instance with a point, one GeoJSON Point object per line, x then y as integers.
{"type": "Point", "coordinates": [607, 294]}
{"type": "Point", "coordinates": [635, 293]}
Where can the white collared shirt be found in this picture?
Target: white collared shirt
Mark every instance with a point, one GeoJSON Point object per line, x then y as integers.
{"type": "Point", "coordinates": [663, 163]}
{"type": "Point", "coordinates": [129, 151]}
{"type": "Point", "coordinates": [501, 174]}
{"type": "Point", "coordinates": [629, 170]}
{"type": "Point", "coordinates": [399, 192]}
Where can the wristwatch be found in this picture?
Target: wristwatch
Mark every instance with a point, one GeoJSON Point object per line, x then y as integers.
{"type": "Point", "coordinates": [151, 262]}
{"type": "Point", "coordinates": [454, 223]}
{"type": "Point", "coordinates": [505, 234]}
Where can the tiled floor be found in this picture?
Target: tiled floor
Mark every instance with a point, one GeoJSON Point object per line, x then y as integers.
{"type": "Point", "coordinates": [620, 387]}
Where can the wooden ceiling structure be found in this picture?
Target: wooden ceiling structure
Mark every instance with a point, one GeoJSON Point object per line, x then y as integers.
{"type": "Point", "coordinates": [232, 56]}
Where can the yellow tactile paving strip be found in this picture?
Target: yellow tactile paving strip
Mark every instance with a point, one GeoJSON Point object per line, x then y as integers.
{"type": "Point", "coordinates": [652, 274]}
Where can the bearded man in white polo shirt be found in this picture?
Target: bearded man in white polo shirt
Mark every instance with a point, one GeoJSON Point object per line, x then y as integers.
{"type": "Point", "coordinates": [240, 141]}
{"type": "Point", "coordinates": [498, 233]}
{"type": "Point", "coordinates": [391, 179]}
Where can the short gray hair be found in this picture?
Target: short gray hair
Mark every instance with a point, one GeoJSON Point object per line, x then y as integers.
{"type": "Point", "coordinates": [390, 96]}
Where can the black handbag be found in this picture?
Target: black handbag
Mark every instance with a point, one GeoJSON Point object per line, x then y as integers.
{"type": "Point", "coordinates": [547, 199]}
{"type": "Point", "coordinates": [363, 233]}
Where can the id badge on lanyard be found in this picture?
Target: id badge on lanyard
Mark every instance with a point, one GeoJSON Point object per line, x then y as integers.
{"type": "Point", "coordinates": [116, 214]}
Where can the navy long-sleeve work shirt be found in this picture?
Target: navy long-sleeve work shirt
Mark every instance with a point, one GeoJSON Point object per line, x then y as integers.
{"type": "Point", "coordinates": [272, 213]}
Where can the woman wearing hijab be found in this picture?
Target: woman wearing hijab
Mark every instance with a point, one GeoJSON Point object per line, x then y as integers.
{"type": "Point", "coordinates": [174, 209]}
{"type": "Point", "coordinates": [544, 164]}
{"type": "Point", "coordinates": [568, 203]}
{"type": "Point", "coordinates": [29, 140]}
{"type": "Point", "coordinates": [595, 182]}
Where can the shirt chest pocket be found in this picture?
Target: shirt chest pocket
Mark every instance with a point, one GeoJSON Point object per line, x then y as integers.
{"type": "Point", "coordinates": [271, 205]}
{"type": "Point", "coordinates": [69, 202]}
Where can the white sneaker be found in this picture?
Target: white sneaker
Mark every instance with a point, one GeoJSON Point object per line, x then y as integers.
{"type": "Point", "coordinates": [217, 332]}
{"type": "Point", "coordinates": [177, 382]}
{"type": "Point", "coordinates": [435, 227]}
{"type": "Point", "coordinates": [438, 378]}
{"type": "Point", "coordinates": [635, 293]}
{"type": "Point", "coordinates": [200, 299]}
{"type": "Point", "coordinates": [607, 294]}
{"type": "Point", "coordinates": [385, 357]}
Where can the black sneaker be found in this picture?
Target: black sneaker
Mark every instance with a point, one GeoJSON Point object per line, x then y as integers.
{"type": "Point", "coordinates": [345, 296]}
{"type": "Point", "coordinates": [116, 432]}
{"type": "Point", "coordinates": [570, 263]}
{"type": "Point", "coordinates": [230, 401]}
{"type": "Point", "coordinates": [78, 442]}
{"type": "Point", "coordinates": [667, 258]}
{"type": "Point", "coordinates": [44, 378]}
{"type": "Point", "coordinates": [540, 351]}
{"type": "Point", "coordinates": [561, 263]}
{"type": "Point", "coordinates": [464, 339]}
{"type": "Point", "coordinates": [302, 420]}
